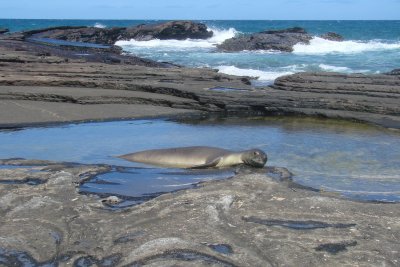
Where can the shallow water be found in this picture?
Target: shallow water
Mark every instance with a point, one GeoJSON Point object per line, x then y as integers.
{"type": "Point", "coordinates": [353, 159]}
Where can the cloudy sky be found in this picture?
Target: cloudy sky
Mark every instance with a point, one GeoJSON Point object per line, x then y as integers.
{"type": "Point", "coordinates": [202, 9]}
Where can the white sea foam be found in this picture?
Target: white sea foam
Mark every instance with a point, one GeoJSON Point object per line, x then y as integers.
{"type": "Point", "coordinates": [319, 46]}
{"type": "Point", "coordinates": [263, 76]}
{"type": "Point", "coordinates": [334, 68]}
{"type": "Point", "coordinates": [218, 37]}
{"type": "Point", "coordinates": [99, 25]}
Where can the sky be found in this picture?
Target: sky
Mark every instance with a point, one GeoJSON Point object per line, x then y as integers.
{"type": "Point", "coordinates": [202, 9]}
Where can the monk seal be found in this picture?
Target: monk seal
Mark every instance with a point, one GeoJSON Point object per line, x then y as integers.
{"type": "Point", "coordinates": [198, 157]}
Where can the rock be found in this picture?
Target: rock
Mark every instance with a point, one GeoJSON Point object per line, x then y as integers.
{"type": "Point", "coordinates": [132, 87]}
{"type": "Point", "coordinates": [52, 224]}
{"type": "Point", "coordinates": [4, 30]}
{"type": "Point", "coordinates": [394, 72]}
{"type": "Point", "coordinates": [280, 40]}
{"type": "Point", "coordinates": [332, 36]}
{"type": "Point", "coordinates": [79, 34]}
{"type": "Point", "coordinates": [178, 30]}
{"type": "Point", "coordinates": [288, 30]}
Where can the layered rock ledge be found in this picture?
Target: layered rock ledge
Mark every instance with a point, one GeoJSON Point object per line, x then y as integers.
{"type": "Point", "coordinates": [249, 220]}
{"type": "Point", "coordinates": [45, 88]}
{"type": "Point", "coordinates": [44, 82]}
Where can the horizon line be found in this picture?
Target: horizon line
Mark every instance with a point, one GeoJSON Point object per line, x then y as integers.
{"type": "Point", "coordinates": [211, 19]}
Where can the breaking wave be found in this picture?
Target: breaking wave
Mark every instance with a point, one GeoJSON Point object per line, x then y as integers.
{"type": "Point", "coordinates": [319, 46]}
{"type": "Point", "coordinates": [218, 37]}
{"type": "Point", "coordinates": [99, 25]}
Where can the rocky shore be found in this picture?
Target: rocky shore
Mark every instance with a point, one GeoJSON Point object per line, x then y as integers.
{"type": "Point", "coordinates": [249, 220]}
{"type": "Point", "coordinates": [256, 218]}
{"type": "Point", "coordinates": [58, 85]}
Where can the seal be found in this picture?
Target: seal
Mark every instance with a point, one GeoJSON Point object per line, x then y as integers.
{"type": "Point", "coordinates": [198, 157]}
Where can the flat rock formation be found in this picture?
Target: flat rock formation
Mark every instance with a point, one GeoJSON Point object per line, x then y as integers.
{"type": "Point", "coordinates": [177, 30]}
{"type": "Point", "coordinates": [278, 40]}
{"type": "Point", "coordinates": [45, 83]}
{"type": "Point", "coordinates": [16, 48]}
{"type": "Point", "coordinates": [249, 220]}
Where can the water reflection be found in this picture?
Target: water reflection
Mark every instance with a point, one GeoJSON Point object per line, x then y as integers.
{"type": "Point", "coordinates": [354, 159]}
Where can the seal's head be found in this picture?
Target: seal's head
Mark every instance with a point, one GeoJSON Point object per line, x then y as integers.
{"type": "Point", "coordinates": [254, 157]}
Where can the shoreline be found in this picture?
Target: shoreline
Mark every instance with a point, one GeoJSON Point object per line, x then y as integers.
{"type": "Point", "coordinates": [49, 84]}
{"type": "Point", "coordinates": [249, 219]}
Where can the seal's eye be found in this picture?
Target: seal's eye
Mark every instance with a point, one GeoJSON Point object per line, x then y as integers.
{"type": "Point", "coordinates": [256, 153]}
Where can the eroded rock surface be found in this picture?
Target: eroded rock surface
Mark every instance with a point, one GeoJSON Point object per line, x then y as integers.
{"type": "Point", "coordinates": [43, 83]}
{"type": "Point", "coordinates": [221, 223]}
{"type": "Point", "coordinates": [278, 40]}
{"type": "Point", "coordinates": [178, 30]}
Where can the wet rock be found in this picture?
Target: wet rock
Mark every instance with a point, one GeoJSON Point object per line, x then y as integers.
{"type": "Point", "coordinates": [53, 224]}
{"type": "Point", "coordinates": [394, 72]}
{"type": "Point", "coordinates": [4, 30]}
{"type": "Point", "coordinates": [332, 36]}
{"type": "Point", "coordinates": [298, 225]}
{"type": "Point", "coordinates": [221, 248]}
{"type": "Point", "coordinates": [178, 30]}
{"type": "Point", "coordinates": [79, 34]}
{"type": "Point", "coordinates": [335, 248]}
{"type": "Point", "coordinates": [280, 40]}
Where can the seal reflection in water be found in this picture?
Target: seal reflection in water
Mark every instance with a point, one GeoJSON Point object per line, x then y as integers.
{"type": "Point", "coordinates": [198, 157]}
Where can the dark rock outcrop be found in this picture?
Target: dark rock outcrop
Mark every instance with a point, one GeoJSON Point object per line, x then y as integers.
{"type": "Point", "coordinates": [280, 40]}
{"type": "Point", "coordinates": [394, 72]}
{"type": "Point", "coordinates": [79, 34]}
{"type": "Point", "coordinates": [4, 30]}
{"type": "Point", "coordinates": [178, 30]}
{"type": "Point", "coordinates": [332, 36]}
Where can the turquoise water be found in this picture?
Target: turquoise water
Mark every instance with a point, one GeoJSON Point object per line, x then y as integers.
{"type": "Point", "coordinates": [370, 47]}
{"type": "Point", "coordinates": [352, 159]}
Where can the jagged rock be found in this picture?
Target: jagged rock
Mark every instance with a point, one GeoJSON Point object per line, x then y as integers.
{"type": "Point", "coordinates": [178, 30]}
{"type": "Point", "coordinates": [280, 40]}
{"type": "Point", "coordinates": [332, 36]}
{"type": "Point", "coordinates": [79, 34]}
{"type": "Point", "coordinates": [4, 30]}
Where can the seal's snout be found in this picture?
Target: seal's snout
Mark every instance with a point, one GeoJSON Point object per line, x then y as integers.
{"type": "Point", "coordinates": [256, 158]}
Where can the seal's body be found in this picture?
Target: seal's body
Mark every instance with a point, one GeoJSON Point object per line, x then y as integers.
{"type": "Point", "coordinates": [198, 157]}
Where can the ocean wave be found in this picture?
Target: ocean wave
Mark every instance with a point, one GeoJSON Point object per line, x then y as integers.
{"type": "Point", "coordinates": [262, 76]}
{"type": "Point", "coordinates": [334, 68]}
{"type": "Point", "coordinates": [99, 25]}
{"type": "Point", "coordinates": [319, 46]}
{"type": "Point", "coordinates": [218, 37]}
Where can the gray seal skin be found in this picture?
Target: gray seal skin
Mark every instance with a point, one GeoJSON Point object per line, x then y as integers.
{"type": "Point", "coordinates": [198, 157]}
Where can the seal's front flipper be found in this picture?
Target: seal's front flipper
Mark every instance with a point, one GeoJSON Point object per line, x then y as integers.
{"type": "Point", "coordinates": [208, 164]}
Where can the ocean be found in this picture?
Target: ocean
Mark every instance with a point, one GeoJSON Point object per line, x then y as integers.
{"type": "Point", "coordinates": [369, 47]}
